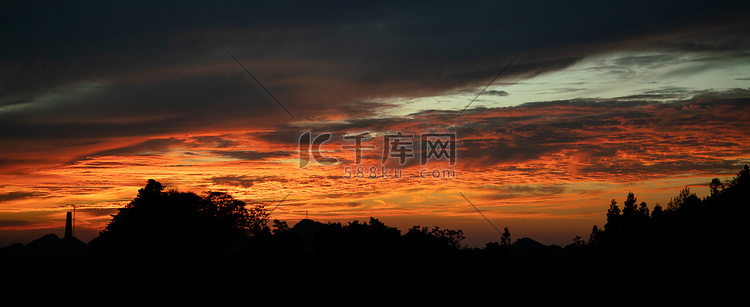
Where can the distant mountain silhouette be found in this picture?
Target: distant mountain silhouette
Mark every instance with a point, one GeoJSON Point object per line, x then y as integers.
{"type": "Point", "coordinates": [49, 245]}
{"type": "Point", "coordinates": [307, 230]}
{"type": "Point", "coordinates": [40, 268]}
{"type": "Point", "coordinates": [523, 248]}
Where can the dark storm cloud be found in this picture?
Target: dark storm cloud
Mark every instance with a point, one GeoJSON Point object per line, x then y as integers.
{"type": "Point", "coordinates": [14, 102]}
{"type": "Point", "coordinates": [511, 191]}
{"type": "Point", "coordinates": [149, 147]}
{"type": "Point", "coordinates": [211, 141]}
{"type": "Point", "coordinates": [252, 155]}
{"type": "Point", "coordinates": [616, 139]}
{"type": "Point", "coordinates": [627, 139]}
{"type": "Point", "coordinates": [14, 223]}
{"type": "Point", "coordinates": [142, 109]}
{"type": "Point", "coordinates": [496, 93]}
{"type": "Point", "coordinates": [18, 195]}
{"type": "Point", "coordinates": [53, 43]}
{"type": "Point", "coordinates": [244, 181]}
{"type": "Point", "coordinates": [214, 145]}
{"type": "Point", "coordinates": [90, 69]}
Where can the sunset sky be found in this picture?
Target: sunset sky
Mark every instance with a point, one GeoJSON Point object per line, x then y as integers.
{"type": "Point", "coordinates": [599, 99]}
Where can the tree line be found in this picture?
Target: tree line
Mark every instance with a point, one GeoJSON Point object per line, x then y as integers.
{"type": "Point", "coordinates": [205, 234]}
{"type": "Point", "coordinates": [197, 242]}
{"type": "Point", "coordinates": [691, 235]}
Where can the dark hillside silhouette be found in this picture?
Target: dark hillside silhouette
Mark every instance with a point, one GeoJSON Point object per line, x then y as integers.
{"type": "Point", "coordinates": [688, 238]}
{"type": "Point", "coordinates": [39, 268]}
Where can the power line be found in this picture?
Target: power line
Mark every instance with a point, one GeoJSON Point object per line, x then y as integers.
{"type": "Point", "coordinates": [277, 205]}
{"type": "Point", "coordinates": [261, 84]}
{"type": "Point", "coordinates": [480, 212]}
{"type": "Point", "coordinates": [488, 84]}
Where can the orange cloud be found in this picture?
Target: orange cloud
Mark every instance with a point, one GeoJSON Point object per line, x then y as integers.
{"type": "Point", "coordinates": [558, 161]}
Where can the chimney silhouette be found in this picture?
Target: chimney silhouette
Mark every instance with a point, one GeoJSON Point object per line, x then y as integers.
{"type": "Point", "coordinates": [68, 238]}
{"type": "Point", "coordinates": [68, 226]}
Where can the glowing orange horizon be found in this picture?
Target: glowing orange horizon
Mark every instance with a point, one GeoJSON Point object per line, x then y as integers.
{"type": "Point", "coordinates": [569, 172]}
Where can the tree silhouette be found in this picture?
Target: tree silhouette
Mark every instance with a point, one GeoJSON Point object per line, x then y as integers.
{"type": "Point", "coordinates": [715, 186]}
{"type": "Point", "coordinates": [629, 208]}
{"type": "Point", "coordinates": [232, 213]}
{"type": "Point", "coordinates": [174, 236]}
{"type": "Point", "coordinates": [657, 213]}
{"type": "Point", "coordinates": [643, 214]}
{"type": "Point", "coordinates": [742, 180]}
{"type": "Point", "coordinates": [684, 201]}
{"type": "Point", "coordinates": [505, 238]}
{"type": "Point", "coordinates": [578, 242]}
{"type": "Point", "coordinates": [691, 234]}
{"type": "Point", "coordinates": [426, 249]}
{"type": "Point", "coordinates": [595, 233]}
{"type": "Point", "coordinates": [279, 226]}
{"type": "Point", "coordinates": [613, 218]}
